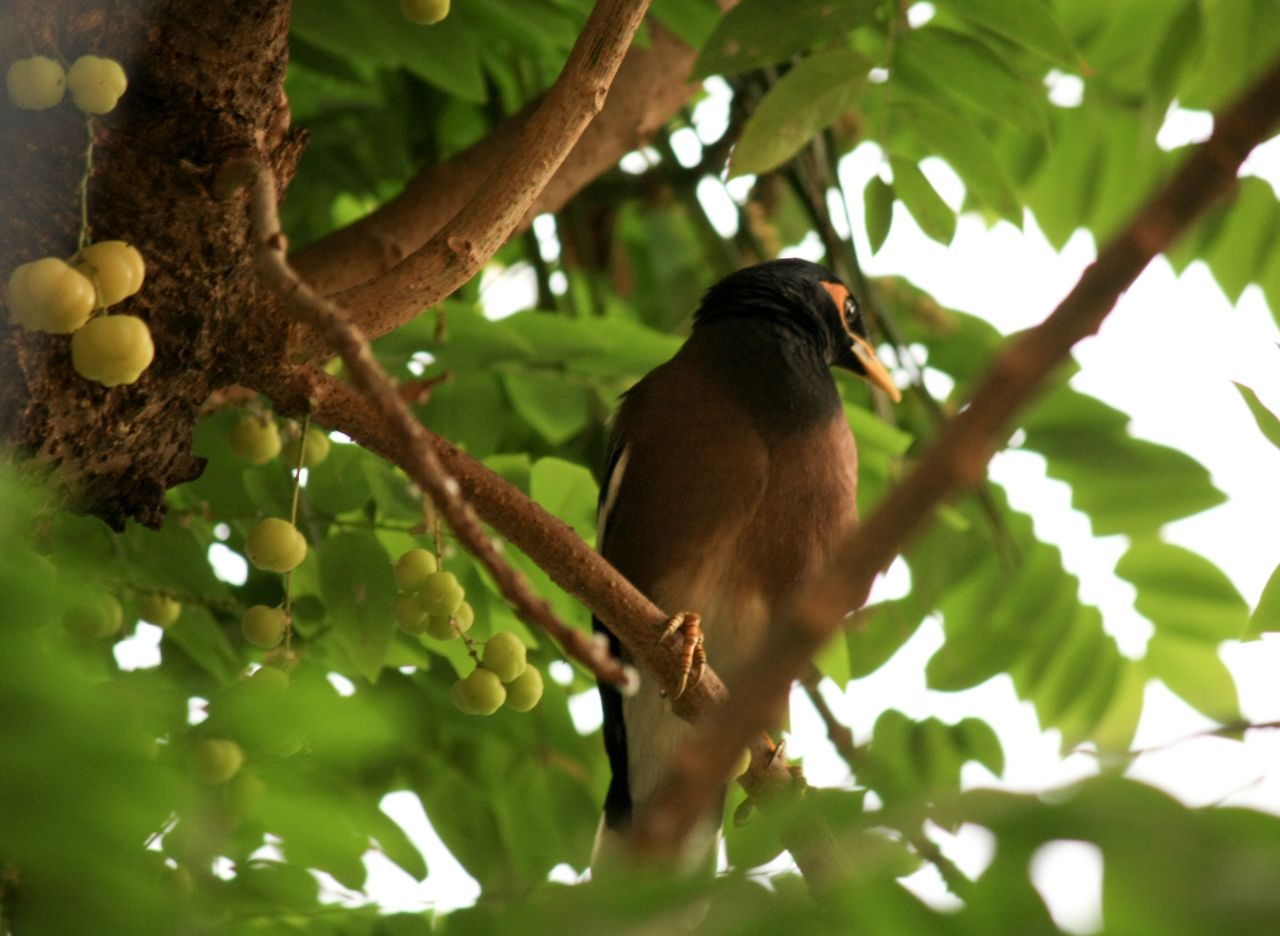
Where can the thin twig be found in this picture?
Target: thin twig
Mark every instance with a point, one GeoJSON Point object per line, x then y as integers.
{"type": "Point", "coordinates": [82, 238]}
{"type": "Point", "coordinates": [842, 738]}
{"type": "Point", "coordinates": [837, 731]}
{"type": "Point", "coordinates": [421, 463]}
{"type": "Point", "coordinates": [957, 459]}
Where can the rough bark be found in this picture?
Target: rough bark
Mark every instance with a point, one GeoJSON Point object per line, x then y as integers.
{"type": "Point", "coordinates": [205, 82]}
{"type": "Point", "coordinates": [206, 87]}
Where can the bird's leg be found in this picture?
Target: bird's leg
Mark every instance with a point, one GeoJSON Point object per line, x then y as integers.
{"type": "Point", "coordinates": [694, 659]}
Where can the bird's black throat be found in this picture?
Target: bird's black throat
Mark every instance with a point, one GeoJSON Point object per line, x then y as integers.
{"type": "Point", "coordinates": [777, 372]}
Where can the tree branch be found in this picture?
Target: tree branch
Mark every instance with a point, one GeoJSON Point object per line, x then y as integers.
{"type": "Point", "coordinates": [488, 217]}
{"type": "Point", "coordinates": [383, 398]}
{"type": "Point", "coordinates": [547, 540]}
{"type": "Point", "coordinates": [957, 459]}
{"type": "Point", "coordinates": [651, 85]}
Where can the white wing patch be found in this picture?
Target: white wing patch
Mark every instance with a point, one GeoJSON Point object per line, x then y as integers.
{"type": "Point", "coordinates": [611, 493]}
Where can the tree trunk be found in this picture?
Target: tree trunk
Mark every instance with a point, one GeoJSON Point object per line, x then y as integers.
{"type": "Point", "coordinates": [206, 83]}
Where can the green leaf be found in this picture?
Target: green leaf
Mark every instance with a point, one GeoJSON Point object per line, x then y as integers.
{"type": "Point", "coordinates": [552, 406]}
{"type": "Point", "coordinates": [1194, 671]}
{"type": "Point", "coordinates": [877, 199]}
{"type": "Point", "coordinates": [471, 411]}
{"type": "Point", "coordinates": [625, 348]}
{"type": "Point", "coordinates": [1245, 245]}
{"type": "Point", "coordinates": [1177, 49]}
{"type": "Point", "coordinates": [172, 558]}
{"type": "Point", "coordinates": [1241, 39]}
{"type": "Point", "coordinates": [1123, 484]}
{"type": "Point", "coordinates": [1268, 422]}
{"type": "Point", "coordinates": [872, 432]}
{"type": "Point", "coordinates": [908, 759]}
{"type": "Point", "coordinates": [197, 635]}
{"type": "Point", "coordinates": [567, 490]}
{"type": "Point", "coordinates": [471, 341]}
{"type": "Point", "coordinates": [462, 815]}
{"type": "Point", "coordinates": [978, 741]}
{"type": "Point", "coordinates": [1029, 23]}
{"type": "Point", "coordinates": [934, 215]}
{"type": "Point", "coordinates": [753, 34]}
{"type": "Point", "coordinates": [444, 55]}
{"type": "Point", "coordinates": [545, 816]}
{"type": "Point", "coordinates": [808, 98]}
{"type": "Point", "coordinates": [1086, 657]}
{"type": "Point", "coordinates": [1266, 616]}
{"type": "Point", "coordinates": [992, 617]}
{"type": "Point", "coordinates": [875, 635]}
{"type": "Point", "coordinates": [339, 483]}
{"type": "Point", "coordinates": [278, 885]}
{"type": "Point", "coordinates": [948, 63]}
{"type": "Point", "coordinates": [1131, 485]}
{"type": "Point", "coordinates": [358, 587]}
{"type": "Point", "coordinates": [1119, 723]}
{"type": "Point", "coordinates": [542, 28]}
{"type": "Point", "coordinates": [941, 130]}
{"type": "Point", "coordinates": [832, 660]}
{"type": "Point", "coordinates": [395, 844]}
{"type": "Point", "coordinates": [693, 21]}
{"type": "Point", "coordinates": [317, 829]}
{"type": "Point", "coordinates": [1182, 593]}
{"type": "Point", "coordinates": [1064, 191]}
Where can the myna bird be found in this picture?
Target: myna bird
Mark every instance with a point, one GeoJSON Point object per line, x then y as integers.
{"type": "Point", "coordinates": [732, 473]}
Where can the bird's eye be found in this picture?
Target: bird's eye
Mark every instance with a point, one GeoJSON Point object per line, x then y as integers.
{"type": "Point", "coordinates": [852, 314]}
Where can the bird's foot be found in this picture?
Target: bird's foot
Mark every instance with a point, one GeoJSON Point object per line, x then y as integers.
{"type": "Point", "coordinates": [693, 661]}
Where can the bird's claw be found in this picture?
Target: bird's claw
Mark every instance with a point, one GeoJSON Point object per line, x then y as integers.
{"type": "Point", "coordinates": [693, 661]}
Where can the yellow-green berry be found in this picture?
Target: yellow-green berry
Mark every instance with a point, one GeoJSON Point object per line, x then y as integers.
{"type": "Point", "coordinates": [412, 569]}
{"type": "Point", "coordinates": [448, 626]}
{"type": "Point", "coordinates": [264, 626]}
{"type": "Point", "coordinates": [158, 608]}
{"type": "Point", "coordinates": [96, 84]}
{"type": "Point", "coordinates": [441, 594]}
{"type": "Point", "coordinates": [408, 614]}
{"type": "Point", "coordinates": [96, 618]}
{"type": "Point", "coordinates": [424, 12]}
{"type": "Point", "coordinates": [255, 439]}
{"type": "Point", "coordinates": [216, 760]}
{"type": "Point", "coordinates": [275, 545]}
{"type": "Point", "coordinates": [36, 83]}
{"type": "Point", "coordinates": [112, 349]}
{"type": "Point", "coordinates": [505, 655]}
{"type": "Point", "coordinates": [115, 267]}
{"type": "Point", "coordinates": [524, 692]}
{"type": "Point", "coordinates": [480, 693]}
{"type": "Point", "coordinates": [50, 295]}
{"type": "Point", "coordinates": [313, 449]}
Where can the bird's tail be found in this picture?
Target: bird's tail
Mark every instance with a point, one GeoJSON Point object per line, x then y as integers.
{"type": "Point", "coordinates": [699, 853]}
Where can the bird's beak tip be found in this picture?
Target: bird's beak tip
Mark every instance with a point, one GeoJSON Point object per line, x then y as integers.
{"type": "Point", "coordinates": [877, 374]}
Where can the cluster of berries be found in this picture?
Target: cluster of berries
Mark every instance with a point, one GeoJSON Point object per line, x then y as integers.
{"type": "Point", "coordinates": [62, 296]}
{"type": "Point", "coordinates": [433, 602]}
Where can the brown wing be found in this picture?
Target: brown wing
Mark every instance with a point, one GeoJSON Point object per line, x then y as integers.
{"type": "Point", "coordinates": [687, 479]}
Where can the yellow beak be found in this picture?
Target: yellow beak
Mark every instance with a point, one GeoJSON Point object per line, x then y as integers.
{"type": "Point", "coordinates": [876, 372]}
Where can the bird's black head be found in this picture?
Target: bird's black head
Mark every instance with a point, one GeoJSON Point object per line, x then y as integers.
{"type": "Point", "coordinates": [806, 299]}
